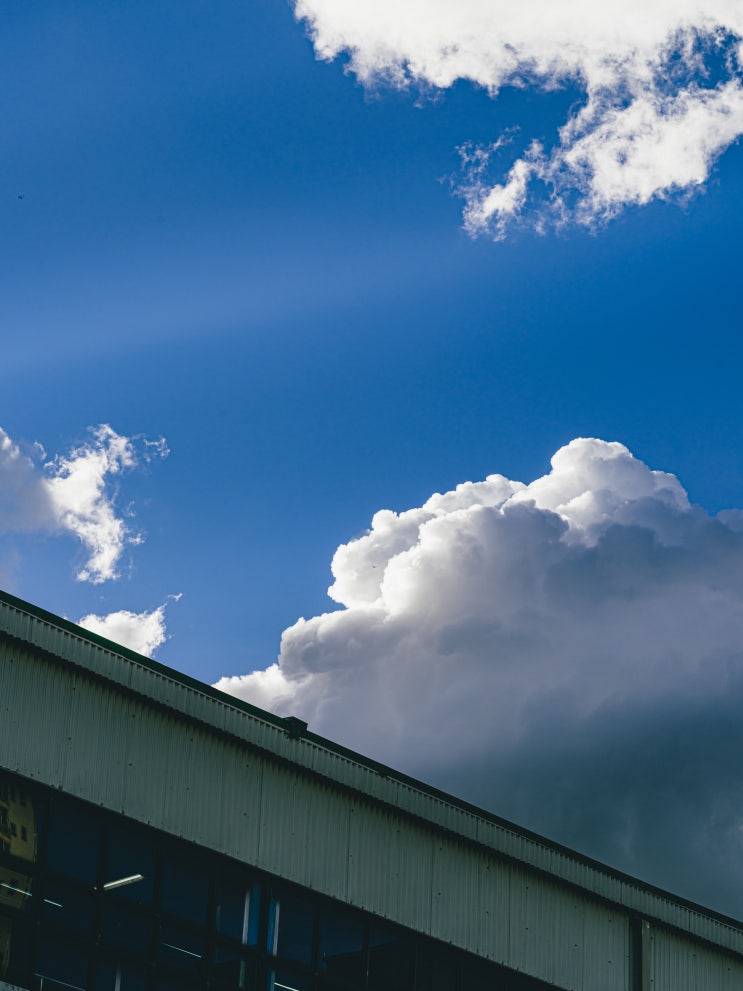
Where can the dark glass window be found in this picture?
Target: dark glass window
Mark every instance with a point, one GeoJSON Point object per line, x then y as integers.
{"type": "Point", "coordinates": [341, 949]}
{"type": "Point", "coordinates": [126, 927]}
{"type": "Point", "coordinates": [237, 907]}
{"type": "Point", "coordinates": [478, 974]}
{"type": "Point", "coordinates": [438, 969]}
{"type": "Point", "coordinates": [67, 906]}
{"type": "Point", "coordinates": [129, 867]}
{"type": "Point", "coordinates": [291, 926]}
{"type": "Point", "coordinates": [287, 980]}
{"type": "Point", "coordinates": [73, 841]}
{"type": "Point", "coordinates": [163, 981]}
{"type": "Point", "coordinates": [60, 962]}
{"type": "Point", "coordinates": [18, 821]}
{"type": "Point", "coordinates": [15, 889]}
{"type": "Point", "coordinates": [181, 948]}
{"type": "Point", "coordinates": [185, 886]}
{"type": "Point", "coordinates": [232, 969]}
{"type": "Point", "coordinates": [391, 960]}
{"type": "Point", "coordinates": [119, 975]}
{"type": "Point", "coordinates": [15, 950]}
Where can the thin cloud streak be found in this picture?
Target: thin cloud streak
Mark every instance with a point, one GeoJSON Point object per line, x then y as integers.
{"type": "Point", "coordinates": [567, 653]}
{"type": "Point", "coordinates": [662, 84]}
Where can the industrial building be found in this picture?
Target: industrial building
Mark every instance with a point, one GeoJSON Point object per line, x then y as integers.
{"type": "Point", "coordinates": [157, 835]}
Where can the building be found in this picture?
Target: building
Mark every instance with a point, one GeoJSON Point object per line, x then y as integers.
{"type": "Point", "coordinates": [156, 835]}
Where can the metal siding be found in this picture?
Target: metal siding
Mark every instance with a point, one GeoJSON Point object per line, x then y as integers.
{"type": "Point", "coordinates": [237, 809]}
{"type": "Point", "coordinates": [564, 938]}
{"type": "Point", "coordinates": [607, 950]}
{"type": "Point", "coordinates": [493, 932]}
{"type": "Point", "coordinates": [31, 687]}
{"type": "Point", "coordinates": [457, 903]}
{"type": "Point", "coordinates": [390, 866]}
{"type": "Point", "coordinates": [373, 871]}
{"type": "Point", "coordinates": [304, 831]}
{"type": "Point", "coordinates": [537, 941]}
{"type": "Point", "coordinates": [85, 749]}
{"type": "Point", "coordinates": [147, 749]}
{"type": "Point", "coordinates": [682, 965]}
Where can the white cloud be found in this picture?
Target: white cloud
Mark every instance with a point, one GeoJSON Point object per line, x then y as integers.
{"type": "Point", "coordinates": [143, 632]}
{"type": "Point", "coordinates": [25, 503]}
{"type": "Point", "coordinates": [268, 689]}
{"type": "Point", "coordinates": [73, 494]}
{"type": "Point", "coordinates": [568, 653]}
{"type": "Point", "coordinates": [662, 82]}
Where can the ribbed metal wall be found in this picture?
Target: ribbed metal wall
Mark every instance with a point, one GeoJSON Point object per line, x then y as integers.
{"type": "Point", "coordinates": [677, 964]}
{"type": "Point", "coordinates": [194, 765]}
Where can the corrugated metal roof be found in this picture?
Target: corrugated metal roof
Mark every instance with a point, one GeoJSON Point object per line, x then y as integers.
{"type": "Point", "coordinates": [212, 712]}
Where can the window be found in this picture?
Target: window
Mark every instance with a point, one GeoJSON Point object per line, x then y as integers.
{"type": "Point", "coordinates": [286, 980]}
{"type": "Point", "coordinates": [181, 948]}
{"type": "Point", "coordinates": [290, 928]}
{"type": "Point", "coordinates": [391, 957]}
{"type": "Point", "coordinates": [438, 969]}
{"type": "Point", "coordinates": [341, 948]}
{"type": "Point", "coordinates": [185, 886]}
{"type": "Point", "coordinates": [124, 926]}
{"type": "Point", "coordinates": [129, 866]}
{"type": "Point", "coordinates": [61, 964]}
{"type": "Point", "coordinates": [238, 904]}
{"type": "Point", "coordinates": [73, 841]}
{"type": "Point", "coordinates": [232, 969]}
{"type": "Point", "coordinates": [119, 975]}
{"type": "Point", "coordinates": [67, 906]}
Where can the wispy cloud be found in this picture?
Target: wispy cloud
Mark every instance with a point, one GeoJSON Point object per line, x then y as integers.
{"type": "Point", "coordinates": [143, 632]}
{"type": "Point", "coordinates": [567, 652]}
{"type": "Point", "coordinates": [74, 493]}
{"type": "Point", "coordinates": [662, 84]}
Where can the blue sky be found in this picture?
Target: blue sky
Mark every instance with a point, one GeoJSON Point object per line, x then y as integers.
{"type": "Point", "coordinates": [214, 237]}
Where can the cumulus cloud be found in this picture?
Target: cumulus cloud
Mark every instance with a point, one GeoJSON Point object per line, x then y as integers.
{"type": "Point", "coordinates": [73, 493]}
{"type": "Point", "coordinates": [567, 652]}
{"type": "Point", "coordinates": [143, 632]}
{"type": "Point", "coordinates": [268, 689]}
{"type": "Point", "coordinates": [662, 86]}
